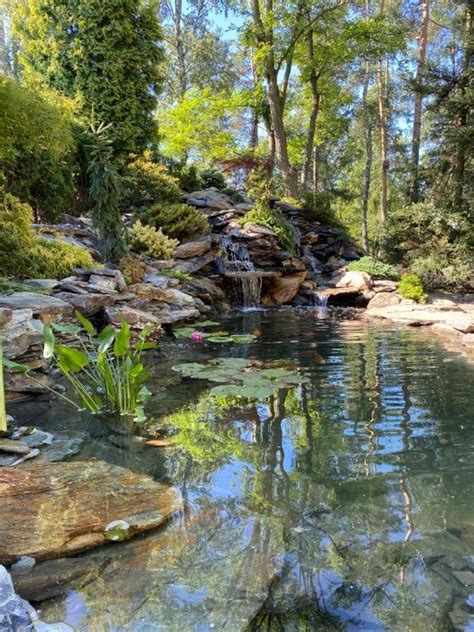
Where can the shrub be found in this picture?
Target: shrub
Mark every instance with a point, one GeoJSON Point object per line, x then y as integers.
{"type": "Point", "coordinates": [146, 183]}
{"type": "Point", "coordinates": [452, 267]}
{"type": "Point", "coordinates": [376, 269]}
{"type": "Point", "coordinates": [271, 219]}
{"type": "Point", "coordinates": [176, 274]}
{"type": "Point", "coordinates": [177, 220]}
{"type": "Point", "coordinates": [37, 147]}
{"type": "Point", "coordinates": [133, 268]}
{"type": "Point", "coordinates": [151, 241]}
{"type": "Point", "coordinates": [23, 254]}
{"type": "Point", "coordinates": [212, 178]}
{"type": "Point", "coordinates": [410, 286]}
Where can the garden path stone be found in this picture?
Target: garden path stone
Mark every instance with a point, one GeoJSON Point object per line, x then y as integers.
{"type": "Point", "coordinates": [59, 509]}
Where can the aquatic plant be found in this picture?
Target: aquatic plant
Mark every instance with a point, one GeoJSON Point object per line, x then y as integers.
{"type": "Point", "coordinates": [240, 377]}
{"type": "Point", "coordinates": [106, 371]}
{"type": "Point", "coordinates": [217, 337]}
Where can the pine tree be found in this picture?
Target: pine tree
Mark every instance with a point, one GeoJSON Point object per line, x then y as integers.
{"type": "Point", "coordinates": [105, 54]}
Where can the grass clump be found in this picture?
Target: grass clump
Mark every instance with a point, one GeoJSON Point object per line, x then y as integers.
{"type": "Point", "coordinates": [176, 274]}
{"type": "Point", "coordinates": [151, 241]}
{"type": "Point", "coordinates": [179, 221]}
{"type": "Point", "coordinates": [376, 269]}
{"type": "Point", "coordinates": [411, 287]}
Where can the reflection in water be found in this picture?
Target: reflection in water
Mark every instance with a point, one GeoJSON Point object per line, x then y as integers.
{"type": "Point", "coordinates": [345, 503]}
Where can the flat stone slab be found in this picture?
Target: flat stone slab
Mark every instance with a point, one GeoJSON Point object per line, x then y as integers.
{"type": "Point", "coordinates": [52, 510]}
{"type": "Point", "coordinates": [40, 304]}
{"type": "Point", "coordinates": [430, 314]}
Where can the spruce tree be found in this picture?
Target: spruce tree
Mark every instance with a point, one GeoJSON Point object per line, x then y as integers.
{"type": "Point", "coordinates": [105, 54]}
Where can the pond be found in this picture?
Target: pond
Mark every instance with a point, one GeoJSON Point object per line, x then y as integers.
{"type": "Point", "coordinates": [344, 503]}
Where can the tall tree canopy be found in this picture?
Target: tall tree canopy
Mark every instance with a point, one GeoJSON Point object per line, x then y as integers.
{"type": "Point", "coordinates": [106, 55]}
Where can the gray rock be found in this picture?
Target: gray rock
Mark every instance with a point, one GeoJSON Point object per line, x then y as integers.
{"type": "Point", "coordinates": [193, 249]}
{"type": "Point", "coordinates": [44, 284]}
{"type": "Point", "coordinates": [17, 615]}
{"type": "Point", "coordinates": [88, 304]}
{"type": "Point", "coordinates": [197, 263]}
{"type": "Point", "coordinates": [134, 317]}
{"type": "Point", "coordinates": [39, 304]}
{"type": "Point", "coordinates": [20, 333]}
{"type": "Point", "coordinates": [5, 316]}
{"type": "Point", "coordinates": [13, 447]}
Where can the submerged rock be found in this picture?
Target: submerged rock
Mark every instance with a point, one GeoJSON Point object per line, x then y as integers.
{"type": "Point", "coordinates": [62, 508]}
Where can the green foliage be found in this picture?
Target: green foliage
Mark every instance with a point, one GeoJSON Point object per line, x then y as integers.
{"type": "Point", "coordinates": [218, 337]}
{"type": "Point", "coordinates": [433, 242]}
{"type": "Point", "coordinates": [8, 286]}
{"type": "Point", "coordinates": [376, 269]}
{"type": "Point", "coordinates": [188, 176]}
{"type": "Point", "coordinates": [37, 147]}
{"type": "Point", "coordinates": [410, 286]}
{"type": "Point", "coordinates": [23, 254]}
{"type": "Point", "coordinates": [133, 268]}
{"type": "Point", "coordinates": [176, 274]}
{"type": "Point", "coordinates": [179, 221]}
{"type": "Point", "coordinates": [151, 241]}
{"type": "Point", "coordinates": [105, 370]}
{"type": "Point", "coordinates": [212, 178]}
{"type": "Point", "coordinates": [106, 55]}
{"type": "Point", "coordinates": [147, 182]}
{"type": "Point", "coordinates": [104, 189]}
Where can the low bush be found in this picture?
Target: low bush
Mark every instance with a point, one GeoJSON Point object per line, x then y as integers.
{"type": "Point", "coordinates": [25, 255]}
{"type": "Point", "coordinates": [376, 269]}
{"type": "Point", "coordinates": [179, 221]}
{"type": "Point", "coordinates": [133, 268]}
{"type": "Point", "coordinates": [452, 267]}
{"type": "Point", "coordinates": [151, 241]}
{"type": "Point", "coordinates": [270, 218]}
{"type": "Point", "coordinates": [176, 274]}
{"type": "Point", "coordinates": [411, 287]}
{"type": "Point", "coordinates": [146, 183]}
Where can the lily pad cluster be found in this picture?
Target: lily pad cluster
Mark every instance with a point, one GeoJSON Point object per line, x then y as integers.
{"type": "Point", "coordinates": [240, 377]}
{"type": "Point", "coordinates": [213, 336]}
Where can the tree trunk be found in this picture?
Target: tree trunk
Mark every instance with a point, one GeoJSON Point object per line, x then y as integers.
{"type": "Point", "coordinates": [4, 61]}
{"type": "Point", "coordinates": [281, 146]}
{"type": "Point", "coordinates": [316, 97]}
{"type": "Point", "coordinates": [364, 204]}
{"type": "Point", "coordinates": [385, 163]}
{"type": "Point", "coordinates": [254, 110]}
{"type": "Point", "coordinates": [418, 108]}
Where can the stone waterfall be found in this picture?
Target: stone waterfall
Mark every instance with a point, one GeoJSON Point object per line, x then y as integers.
{"type": "Point", "coordinates": [239, 268]}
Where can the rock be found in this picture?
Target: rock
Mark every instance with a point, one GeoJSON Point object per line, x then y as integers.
{"type": "Point", "coordinates": [283, 289]}
{"type": "Point", "coordinates": [20, 333]}
{"type": "Point", "coordinates": [60, 509]}
{"type": "Point", "coordinates": [134, 317]}
{"type": "Point", "coordinates": [202, 286]}
{"type": "Point", "coordinates": [61, 447]}
{"type": "Point", "coordinates": [193, 249]}
{"type": "Point", "coordinates": [158, 280]}
{"type": "Point", "coordinates": [195, 264]}
{"type": "Point", "coordinates": [17, 615]}
{"type": "Point", "coordinates": [87, 304]}
{"type": "Point", "coordinates": [414, 314]}
{"type": "Point", "coordinates": [384, 299]}
{"type": "Point", "coordinates": [13, 447]}
{"type": "Point", "coordinates": [257, 230]}
{"type": "Point", "coordinates": [465, 577]}
{"type": "Point", "coordinates": [357, 280]}
{"type": "Point", "coordinates": [103, 279]}
{"type": "Point", "coordinates": [101, 283]}
{"type": "Point", "coordinates": [5, 316]}
{"type": "Point", "coordinates": [44, 284]}
{"type": "Point", "coordinates": [384, 285]}
{"type": "Point", "coordinates": [170, 316]}
{"type": "Point", "coordinates": [343, 296]}
{"type": "Point", "coordinates": [45, 307]}
{"type": "Point", "coordinates": [211, 197]}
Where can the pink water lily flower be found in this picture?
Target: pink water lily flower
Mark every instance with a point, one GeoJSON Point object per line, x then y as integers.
{"type": "Point", "coordinates": [197, 336]}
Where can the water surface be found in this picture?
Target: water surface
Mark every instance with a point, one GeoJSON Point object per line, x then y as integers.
{"type": "Point", "coordinates": [343, 504]}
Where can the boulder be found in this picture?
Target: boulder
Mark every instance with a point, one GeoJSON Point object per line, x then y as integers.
{"type": "Point", "coordinates": [384, 299]}
{"type": "Point", "coordinates": [343, 296]}
{"type": "Point", "coordinates": [418, 315]}
{"type": "Point", "coordinates": [159, 280]}
{"type": "Point", "coordinates": [202, 286]}
{"type": "Point", "coordinates": [256, 230]}
{"type": "Point", "coordinates": [136, 318]}
{"type": "Point", "coordinates": [21, 332]}
{"type": "Point", "coordinates": [211, 197]}
{"type": "Point", "coordinates": [87, 304]}
{"type": "Point", "coordinates": [17, 615]}
{"type": "Point", "coordinates": [5, 316]}
{"type": "Point", "coordinates": [44, 284]}
{"type": "Point", "coordinates": [172, 296]}
{"type": "Point", "coordinates": [283, 289]}
{"type": "Point", "coordinates": [168, 316]}
{"type": "Point", "coordinates": [357, 280]}
{"type": "Point", "coordinates": [194, 264]}
{"type": "Point", "coordinates": [59, 509]}
{"type": "Point", "coordinates": [193, 249]}
{"type": "Point", "coordinates": [42, 306]}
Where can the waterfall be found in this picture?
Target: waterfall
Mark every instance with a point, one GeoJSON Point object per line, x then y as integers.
{"type": "Point", "coordinates": [238, 266]}
{"type": "Point", "coordinates": [320, 300]}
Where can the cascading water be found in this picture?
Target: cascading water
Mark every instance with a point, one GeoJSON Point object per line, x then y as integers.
{"type": "Point", "coordinates": [239, 267]}
{"type": "Point", "coordinates": [320, 300]}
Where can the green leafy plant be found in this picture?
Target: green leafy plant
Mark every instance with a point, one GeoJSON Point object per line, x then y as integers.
{"type": "Point", "coordinates": [104, 369]}
{"type": "Point", "coordinates": [24, 254]}
{"type": "Point", "coordinates": [410, 286]}
{"type": "Point", "coordinates": [151, 241]}
{"type": "Point", "coordinates": [146, 183]}
{"type": "Point", "coordinates": [217, 337]}
{"type": "Point", "coordinates": [376, 269]}
{"type": "Point", "coordinates": [239, 377]}
{"type": "Point", "coordinates": [104, 191]}
{"type": "Point", "coordinates": [179, 221]}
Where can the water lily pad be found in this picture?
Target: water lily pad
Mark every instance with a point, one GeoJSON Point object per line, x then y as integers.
{"type": "Point", "coordinates": [219, 339]}
{"type": "Point", "coordinates": [243, 338]}
{"type": "Point", "coordinates": [208, 323]}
